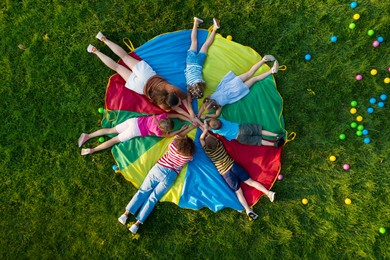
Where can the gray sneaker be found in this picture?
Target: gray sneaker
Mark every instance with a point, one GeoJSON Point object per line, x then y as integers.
{"type": "Point", "coordinates": [122, 219]}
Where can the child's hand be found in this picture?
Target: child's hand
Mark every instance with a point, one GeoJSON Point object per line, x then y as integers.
{"type": "Point", "coordinates": [184, 127]}
{"type": "Point", "coordinates": [204, 116]}
{"type": "Point", "coordinates": [205, 125]}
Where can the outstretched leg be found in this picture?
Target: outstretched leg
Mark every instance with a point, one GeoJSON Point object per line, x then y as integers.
{"type": "Point", "coordinates": [210, 39]}
{"type": "Point", "coordinates": [118, 50]}
{"type": "Point", "coordinates": [194, 34]}
{"type": "Point", "coordinates": [248, 210]}
{"type": "Point", "coordinates": [260, 187]}
{"type": "Point", "coordinates": [103, 146]}
{"type": "Point", "coordinates": [121, 70]}
{"type": "Point", "coordinates": [250, 81]}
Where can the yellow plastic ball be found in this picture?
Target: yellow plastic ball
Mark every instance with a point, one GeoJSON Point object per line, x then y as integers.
{"type": "Point", "coordinates": [356, 17]}
{"type": "Point", "coordinates": [305, 201]}
{"type": "Point", "coordinates": [347, 201]}
{"type": "Point", "coordinates": [387, 80]}
{"type": "Point", "coordinates": [229, 38]}
{"type": "Point", "coordinates": [332, 158]}
{"type": "Point", "coordinates": [359, 118]}
{"type": "Point", "coordinates": [353, 111]}
{"type": "Point", "coordinates": [373, 72]}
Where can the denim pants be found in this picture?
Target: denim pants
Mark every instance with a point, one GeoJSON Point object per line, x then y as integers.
{"type": "Point", "coordinates": [156, 184]}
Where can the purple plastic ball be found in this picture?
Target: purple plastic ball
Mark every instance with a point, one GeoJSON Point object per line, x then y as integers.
{"type": "Point", "coordinates": [375, 44]}
{"type": "Point", "coordinates": [280, 177]}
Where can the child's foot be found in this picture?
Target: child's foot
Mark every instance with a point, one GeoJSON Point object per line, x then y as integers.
{"type": "Point", "coordinates": [271, 195]}
{"type": "Point", "coordinates": [100, 36]}
{"type": "Point", "coordinates": [216, 23]}
{"type": "Point", "coordinates": [82, 139]}
{"type": "Point", "coordinates": [279, 142]}
{"type": "Point", "coordinates": [122, 219]}
{"type": "Point", "coordinates": [134, 228]}
{"type": "Point", "coordinates": [275, 67]}
{"type": "Point", "coordinates": [85, 151]}
{"type": "Point", "coordinates": [91, 48]}
{"type": "Point", "coordinates": [198, 21]}
{"type": "Point", "coordinates": [252, 215]}
{"type": "Point", "coordinates": [279, 136]}
{"type": "Point", "coordinates": [268, 57]}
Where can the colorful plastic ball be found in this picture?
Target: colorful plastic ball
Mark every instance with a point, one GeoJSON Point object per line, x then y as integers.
{"type": "Point", "coordinates": [307, 57]}
{"type": "Point", "coordinates": [347, 201]}
{"type": "Point", "coordinates": [382, 230]}
{"type": "Point", "coordinates": [333, 38]}
{"type": "Point", "coordinates": [353, 103]}
{"type": "Point", "coordinates": [386, 80]}
{"type": "Point", "coordinates": [353, 5]}
{"type": "Point", "coordinates": [229, 38]}
{"type": "Point", "coordinates": [372, 100]}
{"type": "Point", "coordinates": [352, 26]}
{"type": "Point", "coordinates": [360, 127]}
{"type": "Point", "coordinates": [359, 77]}
{"type": "Point", "coordinates": [101, 110]}
{"type": "Point", "coordinates": [353, 125]}
{"type": "Point", "coordinates": [342, 136]}
{"type": "Point", "coordinates": [388, 69]}
{"type": "Point", "coordinates": [373, 72]}
{"type": "Point", "coordinates": [365, 132]}
{"type": "Point", "coordinates": [380, 39]}
{"type": "Point", "coordinates": [101, 139]}
{"type": "Point", "coordinates": [359, 133]}
{"type": "Point", "coordinates": [356, 17]}
{"type": "Point", "coordinates": [280, 177]}
{"type": "Point", "coordinates": [353, 111]}
{"type": "Point", "coordinates": [375, 44]}
{"type": "Point", "coordinates": [346, 166]}
{"type": "Point", "coordinates": [370, 32]}
{"type": "Point", "coordinates": [305, 201]}
{"type": "Point", "coordinates": [381, 104]}
{"type": "Point", "coordinates": [332, 158]}
{"type": "Point", "coordinates": [359, 118]}
{"type": "Point", "coordinates": [115, 167]}
{"type": "Point", "coordinates": [370, 110]}
{"type": "Point", "coordinates": [383, 97]}
{"type": "Point", "coordinates": [367, 140]}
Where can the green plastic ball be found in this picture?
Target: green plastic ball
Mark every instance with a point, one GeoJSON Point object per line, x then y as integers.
{"type": "Point", "coordinates": [353, 124]}
{"type": "Point", "coordinates": [354, 103]}
{"type": "Point", "coordinates": [382, 230]}
{"type": "Point", "coordinates": [360, 127]}
{"type": "Point", "coordinates": [352, 26]}
{"type": "Point", "coordinates": [370, 32]}
{"type": "Point", "coordinates": [342, 136]}
{"type": "Point", "coordinates": [101, 110]}
{"type": "Point", "coordinates": [101, 139]}
{"type": "Point", "coordinates": [359, 133]}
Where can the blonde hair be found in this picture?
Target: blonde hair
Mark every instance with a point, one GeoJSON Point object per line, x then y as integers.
{"type": "Point", "coordinates": [210, 104]}
{"type": "Point", "coordinates": [215, 123]}
{"type": "Point", "coordinates": [166, 125]}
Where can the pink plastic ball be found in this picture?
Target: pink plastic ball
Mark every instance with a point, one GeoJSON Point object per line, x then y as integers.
{"type": "Point", "coordinates": [359, 77]}
{"type": "Point", "coordinates": [388, 69]}
{"type": "Point", "coordinates": [375, 44]}
{"type": "Point", "coordinates": [280, 177]}
{"type": "Point", "coordinates": [346, 166]}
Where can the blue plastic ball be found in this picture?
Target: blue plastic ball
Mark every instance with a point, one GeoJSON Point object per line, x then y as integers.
{"type": "Point", "coordinates": [307, 57]}
{"type": "Point", "coordinates": [381, 104]}
{"type": "Point", "coordinates": [367, 140]}
{"type": "Point", "coordinates": [380, 39]}
{"type": "Point", "coordinates": [333, 38]}
{"type": "Point", "coordinates": [365, 132]}
{"type": "Point", "coordinates": [372, 100]}
{"type": "Point", "coordinates": [383, 97]}
{"type": "Point", "coordinates": [115, 167]}
{"type": "Point", "coordinates": [353, 5]}
{"type": "Point", "coordinates": [370, 110]}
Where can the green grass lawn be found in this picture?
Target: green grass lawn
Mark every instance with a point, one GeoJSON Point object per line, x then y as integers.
{"type": "Point", "coordinates": [58, 204]}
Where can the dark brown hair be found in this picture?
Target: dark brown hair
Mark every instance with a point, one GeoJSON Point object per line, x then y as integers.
{"type": "Point", "coordinates": [211, 142]}
{"type": "Point", "coordinates": [214, 123]}
{"type": "Point", "coordinates": [210, 104]}
{"type": "Point", "coordinates": [185, 145]}
{"type": "Point", "coordinates": [197, 90]}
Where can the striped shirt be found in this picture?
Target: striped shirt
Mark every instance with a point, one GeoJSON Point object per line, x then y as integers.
{"type": "Point", "coordinates": [173, 160]}
{"type": "Point", "coordinates": [222, 161]}
{"type": "Point", "coordinates": [193, 74]}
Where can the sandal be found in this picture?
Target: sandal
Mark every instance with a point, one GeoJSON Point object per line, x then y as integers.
{"type": "Point", "coordinates": [85, 151]}
{"type": "Point", "coordinates": [82, 139]}
{"type": "Point", "coordinates": [275, 67]}
{"type": "Point", "coordinates": [100, 36]}
{"type": "Point", "coordinates": [216, 23]}
{"type": "Point", "coordinates": [252, 215]}
{"type": "Point", "coordinates": [268, 57]}
{"type": "Point", "coordinates": [91, 48]}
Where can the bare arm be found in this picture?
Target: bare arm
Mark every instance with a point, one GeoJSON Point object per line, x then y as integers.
{"type": "Point", "coordinates": [188, 129]}
{"type": "Point", "coordinates": [177, 132]}
{"type": "Point", "coordinates": [215, 114]}
{"type": "Point", "coordinates": [204, 134]}
{"type": "Point", "coordinates": [179, 116]}
{"type": "Point", "coordinates": [188, 104]}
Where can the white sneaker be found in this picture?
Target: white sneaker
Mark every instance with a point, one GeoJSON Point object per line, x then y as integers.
{"type": "Point", "coordinates": [271, 196]}
{"type": "Point", "coordinates": [122, 219]}
{"type": "Point", "coordinates": [134, 228]}
{"type": "Point", "coordinates": [81, 140]}
{"type": "Point", "coordinates": [91, 48]}
{"type": "Point", "coordinates": [200, 21]}
{"type": "Point", "coordinates": [216, 23]}
{"type": "Point", "coordinates": [100, 36]}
